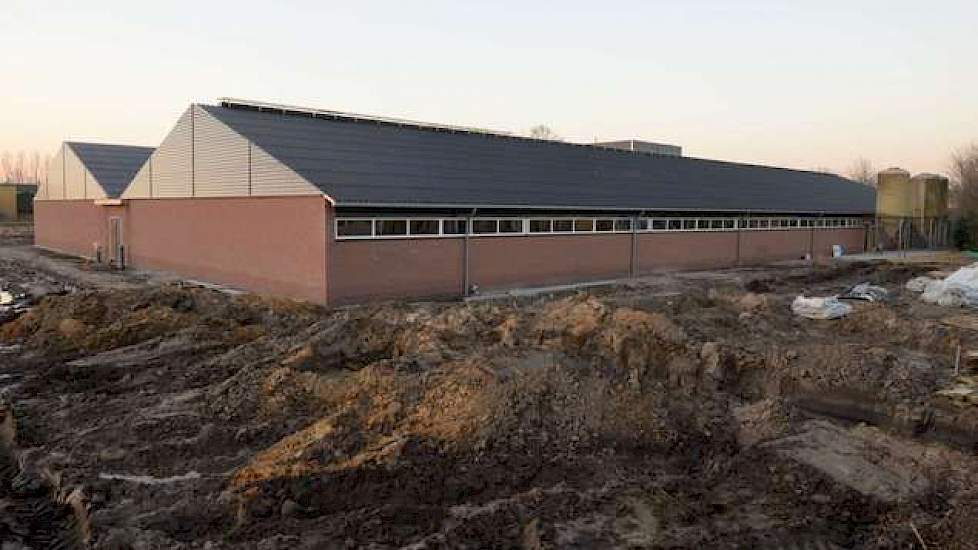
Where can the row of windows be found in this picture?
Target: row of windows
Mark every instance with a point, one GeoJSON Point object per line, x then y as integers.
{"type": "Point", "coordinates": [362, 228]}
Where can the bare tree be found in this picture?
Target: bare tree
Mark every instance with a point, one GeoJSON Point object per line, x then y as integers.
{"type": "Point", "coordinates": [7, 166]}
{"type": "Point", "coordinates": [964, 180]}
{"type": "Point", "coordinates": [862, 171]}
{"type": "Point", "coordinates": [22, 167]}
{"type": "Point", "coordinates": [542, 131]}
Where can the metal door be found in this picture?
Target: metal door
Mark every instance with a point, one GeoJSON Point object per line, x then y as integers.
{"type": "Point", "coordinates": [117, 249]}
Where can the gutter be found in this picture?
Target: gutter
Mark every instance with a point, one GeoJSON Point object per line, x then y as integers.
{"type": "Point", "coordinates": [589, 208]}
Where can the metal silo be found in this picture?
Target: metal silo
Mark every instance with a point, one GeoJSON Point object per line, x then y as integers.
{"type": "Point", "coordinates": [894, 194]}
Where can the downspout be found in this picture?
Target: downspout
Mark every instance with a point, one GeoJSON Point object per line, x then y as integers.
{"type": "Point", "coordinates": [811, 242]}
{"type": "Point", "coordinates": [633, 266]}
{"type": "Point", "coordinates": [329, 236]}
{"type": "Point", "coordinates": [739, 231]}
{"type": "Point", "coordinates": [466, 282]}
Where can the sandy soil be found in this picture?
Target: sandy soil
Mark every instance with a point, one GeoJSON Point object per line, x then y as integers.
{"type": "Point", "coordinates": [682, 411]}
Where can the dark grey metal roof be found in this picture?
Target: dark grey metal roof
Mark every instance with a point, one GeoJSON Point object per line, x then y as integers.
{"type": "Point", "coordinates": [113, 166]}
{"type": "Point", "coordinates": [361, 162]}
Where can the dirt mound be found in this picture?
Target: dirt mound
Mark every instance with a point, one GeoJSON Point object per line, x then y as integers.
{"type": "Point", "coordinates": [629, 417]}
{"type": "Point", "coordinates": [93, 321]}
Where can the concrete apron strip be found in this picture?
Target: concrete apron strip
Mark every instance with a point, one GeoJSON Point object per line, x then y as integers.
{"type": "Point", "coordinates": [533, 291]}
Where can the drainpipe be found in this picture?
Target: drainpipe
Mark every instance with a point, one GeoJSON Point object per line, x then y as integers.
{"type": "Point", "coordinates": [811, 244]}
{"type": "Point", "coordinates": [466, 282]}
{"type": "Point", "coordinates": [633, 266]}
{"type": "Point", "coordinates": [740, 230]}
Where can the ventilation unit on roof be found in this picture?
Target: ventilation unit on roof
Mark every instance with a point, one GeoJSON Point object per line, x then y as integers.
{"type": "Point", "coordinates": [640, 146]}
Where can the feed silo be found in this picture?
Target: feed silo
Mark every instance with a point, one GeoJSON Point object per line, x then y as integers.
{"type": "Point", "coordinates": [894, 194]}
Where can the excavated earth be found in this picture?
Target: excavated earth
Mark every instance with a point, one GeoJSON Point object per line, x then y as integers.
{"type": "Point", "coordinates": [684, 411]}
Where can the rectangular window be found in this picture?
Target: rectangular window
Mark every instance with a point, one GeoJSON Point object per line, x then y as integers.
{"type": "Point", "coordinates": [764, 224]}
{"type": "Point", "coordinates": [483, 227]}
{"type": "Point", "coordinates": [623, 225]}
{"type": "Point", "coordinates": [754, 224]}
{"type": "Point", "coordinates": [605, 225]}
{"type": "Point", "coordinates": [510, 226]}
{"type": "Point", "coordinates": [453, 227]}
{"type": "Point", "coordinates": [354, 228]}
{"type": "Point", "coordinates": [728, 224]}
{"type": "Point", "coordinates": [391, 227]}
{"type": "Point", "coordinates": [675, 225]}
{"type": "Point", "coordinates": [659, 225]}
{"type": "Point", "coordinates": [583, 226]}
{"type": "Point", "coordinates": [794, 222]}
{"type": "Point", "coordinates": [716, 224]}
{"type": "Point", "coordinates": [540, 226]}
{"type": "Point", "coordinates": [424, 227]}
{"type": "Point", "coordinates": [643, 224]}
{"type": "Point", "coordinates": [689, 224]}
{"type": "Point", "coordinates": [702, 224]}
{"type": "Point", "coordinates": [563, 226]}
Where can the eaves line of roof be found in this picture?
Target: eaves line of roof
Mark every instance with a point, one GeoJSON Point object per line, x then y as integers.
{"type": "Point", "coordinates": [588, 208]}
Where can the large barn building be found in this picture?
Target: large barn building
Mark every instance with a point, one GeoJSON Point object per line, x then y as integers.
{"type": "Point", "coordinates": [338, 208]}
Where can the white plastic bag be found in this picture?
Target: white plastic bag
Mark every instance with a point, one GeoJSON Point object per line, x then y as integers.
{"type": "Point", "coordinates": [959, 289]}
{"type": "Point", "coordinates": [820, 308]}
{"type": "Point", "coordinates": [918, 284]}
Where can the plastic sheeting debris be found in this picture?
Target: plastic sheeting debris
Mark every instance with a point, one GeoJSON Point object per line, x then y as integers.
{"type": "Point", "coordinates": [957, 290]}
{"type": "Point", "coordinates": [918, 284]}
{"type": "Point", "coordinates": [12, 305]}
{"type": "Point", "coordinates": [865, 292]}
{"type": "Point", "coordinates": [820, 308]}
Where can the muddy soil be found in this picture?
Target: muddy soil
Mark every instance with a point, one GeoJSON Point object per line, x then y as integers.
{"type": "Point", "coordinates": [685, 411]}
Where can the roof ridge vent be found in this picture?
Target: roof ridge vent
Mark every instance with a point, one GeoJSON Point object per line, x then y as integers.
{"type": "Point", "coordinates": [265, 106]}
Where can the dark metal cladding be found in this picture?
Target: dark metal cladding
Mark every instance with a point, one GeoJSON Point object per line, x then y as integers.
{"type": "Point", "coordinates": [113, 166]}
{"type": "Point", "coordinates": [374, 163]}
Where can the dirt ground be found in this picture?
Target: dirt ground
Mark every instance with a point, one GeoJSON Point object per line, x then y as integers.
{"type": "Point", "coordinates": [682, 411]}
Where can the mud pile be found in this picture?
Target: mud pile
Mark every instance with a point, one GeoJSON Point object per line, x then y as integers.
{"type": "Point", "coordinates": [705, 415]}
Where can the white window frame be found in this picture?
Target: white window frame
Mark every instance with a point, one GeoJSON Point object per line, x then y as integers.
{"type": "Point", "coordinates": [697, 224]}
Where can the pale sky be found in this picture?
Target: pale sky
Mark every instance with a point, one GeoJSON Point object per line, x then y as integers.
{"type": "Point", "coordinates": [806, 84]}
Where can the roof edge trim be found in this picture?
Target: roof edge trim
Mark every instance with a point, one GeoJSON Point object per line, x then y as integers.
{"type": "Point", "coordinates": [592, 208]}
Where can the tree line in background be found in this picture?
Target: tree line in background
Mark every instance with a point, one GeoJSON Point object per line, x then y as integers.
{"type": "Point", "coordinates": [22, 167]}
{"type": "Point", "coordinates": [964, 196]}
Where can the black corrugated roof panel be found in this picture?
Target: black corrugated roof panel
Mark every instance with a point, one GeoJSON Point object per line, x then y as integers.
{"type": "Point", "coordinates": [363, 162]}
{"type": "Point", "coordinates": [113, 166]}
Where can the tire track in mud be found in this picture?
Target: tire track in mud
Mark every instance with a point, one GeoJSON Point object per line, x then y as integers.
{"type": "Point", "coordinates": [30, 513]}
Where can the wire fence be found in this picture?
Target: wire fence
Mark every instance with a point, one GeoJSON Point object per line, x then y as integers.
{"type": "Point", "coordinates": [894, 233]}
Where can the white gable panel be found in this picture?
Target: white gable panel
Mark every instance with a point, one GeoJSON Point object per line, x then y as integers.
{"type": "Point", "coordinates": [139, 187]}
{"type": "Point", "coordinates": [173, 161]}
{"type": "Point", "coordinates": [221, 162]}
{"type": "Point", "coordinates": [76, 176]}
{"type": "Point", "coordinates": [56, 182]}
{"type": "Point", "coordinates": [271, 177]}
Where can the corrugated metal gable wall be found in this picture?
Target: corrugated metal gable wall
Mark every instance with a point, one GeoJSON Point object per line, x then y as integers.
{"type": "Point", "coordinates": [271, 177]}
{"type": "Point", "coordinates": [139, 187]}
{"type": "Point", "coordinates": [76, 177]}
{"type": "Point", "coordinates": [221, 159]}
{"type": "Point", "coordinates": [79, 181]}
{"type": "Point", "coordinates": [55, 185]}
{"type": "Point", "coordinates": [173, 161]}
{"type": "Point", "coordinates": [203, 157]}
